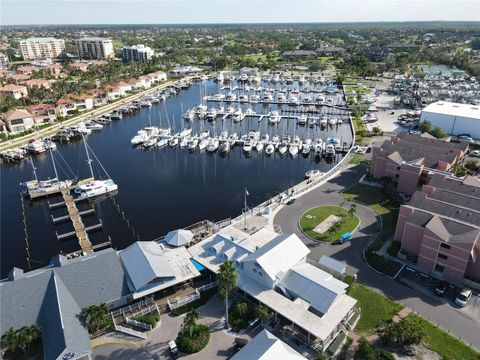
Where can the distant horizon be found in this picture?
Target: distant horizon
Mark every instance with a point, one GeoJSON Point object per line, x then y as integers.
{"type": "Point", "coordinates": [227, 12]}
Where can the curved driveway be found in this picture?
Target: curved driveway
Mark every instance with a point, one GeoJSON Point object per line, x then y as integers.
{"type": "Point", "coordinates": [435, 309]}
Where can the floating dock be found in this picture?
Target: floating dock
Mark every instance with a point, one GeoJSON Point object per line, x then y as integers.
{"type": "Point", "coordinates": [80, 230]}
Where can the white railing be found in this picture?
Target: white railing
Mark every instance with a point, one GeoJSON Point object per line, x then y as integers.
{"type": "Point", "coordinates": [184, 301]}
{"type": "Point", "coordinates": [131, 308]}
{"type": "Point", "coordinates": [139, 324]}
{"type": "Point", "coordinates": [207, 286]}
{"type": "Point", "coordinates": [145, 311]}
{"type": "Point", "coordinates": [131, 332]}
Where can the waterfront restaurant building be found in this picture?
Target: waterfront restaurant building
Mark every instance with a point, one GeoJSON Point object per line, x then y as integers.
{"type": "Point", "coordinates": [409, 160]}
{"type": "Point", "coordinates": [305, 301]}
{"type": "Point", "coordinates": [439, 230]}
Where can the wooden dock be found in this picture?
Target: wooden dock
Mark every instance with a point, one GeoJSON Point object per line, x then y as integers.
{"type": "Point", "coordinates": [80, 229]}
{"type": "Point", "coordinates": [59, 219]}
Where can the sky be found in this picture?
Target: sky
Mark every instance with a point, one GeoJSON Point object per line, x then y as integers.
{"type": "Point", "coordinates": [21, 12]}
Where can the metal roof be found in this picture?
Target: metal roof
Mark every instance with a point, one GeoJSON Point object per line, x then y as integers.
{"type": "Point", "coordinates": [266, 346]}
{"type": "Point", "coordinates": [279, 255]}
{"type": "Point", "coordinates": [145, 262]}
{"type": "Point", "coordinates": [320, 289]}
{"type": "Point", "coordinates": [332, 264]}
{"type": "Point", "coordinates": [453, 109]}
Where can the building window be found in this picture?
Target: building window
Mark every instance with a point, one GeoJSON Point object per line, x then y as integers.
{"type": "Point", "coordinates": [445, 246]}
{"type": "Point", "coordinates": [439, 269]}
{"type": "Point", "coordinates": [441, 256]}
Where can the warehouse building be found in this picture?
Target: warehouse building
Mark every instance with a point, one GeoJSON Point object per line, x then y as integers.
{"type": "Point", "coordinates": [455, 119]}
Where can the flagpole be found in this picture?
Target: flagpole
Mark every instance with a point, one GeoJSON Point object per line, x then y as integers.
{"type": "Point", "coordinates": [245, 210]}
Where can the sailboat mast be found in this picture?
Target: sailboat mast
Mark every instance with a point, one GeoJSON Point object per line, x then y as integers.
{"type": "Point", "coordinates": [53, 163]}
{"type": "Point", "coordinates": [34, 169]}
{"type": "Point", "coordinates": [89, 161]}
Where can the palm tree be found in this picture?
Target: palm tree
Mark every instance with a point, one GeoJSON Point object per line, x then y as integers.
{"type": "Point", "coordinates": [241, 309]}
{"type": "Point", "coordinates": [262, 313]}
{"type": "Point", "coordinates": [227, 281]}
{"type": "Point", "coordinates": [10, 340]}
{"type": "Point", "coordinates": [191, 320]}
{"type": "Point", "coordinates": [352, 210]}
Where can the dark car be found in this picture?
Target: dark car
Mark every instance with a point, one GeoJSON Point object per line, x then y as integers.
{"type": "Point", "coordinates": [441, 288]}
{"type": "Point", "coordinates": [291, 201]}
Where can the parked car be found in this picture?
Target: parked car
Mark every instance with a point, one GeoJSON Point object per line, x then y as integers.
{"type": "Point", "coordinates": [463, 297]}
{"type": "Point", "coordinates": [465, 137]}
{"type": "Point", "coordinates": [291, 201]}
{"type": "Point", "coordinates": [475, 153]}
{"type": "Point", "coordinates": [173, 349]}
{"type": "Point", "coordinates": [441, 288]}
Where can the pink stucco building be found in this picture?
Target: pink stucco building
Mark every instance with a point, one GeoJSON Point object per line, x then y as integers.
{"type": "Point", "coordinates": [410, 160]}
{"type": "Point", "coordinates": [439, 229]}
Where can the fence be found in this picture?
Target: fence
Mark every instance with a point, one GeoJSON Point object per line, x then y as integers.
{"type": "Point", "coordinates": [131, 308]}
{"type": "Point", "coordinates": [139, 324]}
{"type": "Point", "coordinates": [189, 299]}
{"type": "Point", "coordinates": [132, 332]}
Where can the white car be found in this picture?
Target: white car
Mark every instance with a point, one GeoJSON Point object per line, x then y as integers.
{"type": "Point", "coordinates": [463, 297]}
{"type": "Point", "coordinates": [475, 153]}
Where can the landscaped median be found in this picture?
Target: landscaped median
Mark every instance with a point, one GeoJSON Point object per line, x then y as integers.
{"type": "Point", "coordinates": [328, 223]}
{"type": "Point", "coordinates": [387, 208]}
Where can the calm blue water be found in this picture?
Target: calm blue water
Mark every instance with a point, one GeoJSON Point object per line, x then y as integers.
{"type": "Point", "coordinates": [159, 189]}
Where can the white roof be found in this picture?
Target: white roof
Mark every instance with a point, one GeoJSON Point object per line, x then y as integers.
{"type": "Point", "coordinates": [266, 346]}
{"type": "Point", "coordinates": [295, 311]}
{"type": "Point", "coordinates": [332, 264]}
{"type": "Point", "coordinates": [279, 255]}
{"type": "Point", "coordinates": [454, 109]}
{"type": "Point", "coordinates": [151, 268]}
{"type": "Point", "coordinates": [179, 237]}
{"type": "Point", "coordinates": [258, 239]}
{"type": "Point", "coordinates": [314, 285]}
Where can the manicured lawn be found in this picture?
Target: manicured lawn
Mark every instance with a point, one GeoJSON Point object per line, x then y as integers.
{"type": "Point", "coordinates": [319, 214]}
{"type": "Point", "coordinates": [447, 346]}
{"type": "Point", "coordinates": [385, 206]}
{"type": "Point", "coordinates": [375, 309]}
{"type": "Point", "coordinates": [355, 159]}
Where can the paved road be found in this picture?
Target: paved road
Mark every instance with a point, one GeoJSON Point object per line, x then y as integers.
{"type": "Point", "coordinates": [455, 321]}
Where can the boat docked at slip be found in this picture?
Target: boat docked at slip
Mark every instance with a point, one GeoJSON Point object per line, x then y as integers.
{"type": "Point", "coordinates": [91, 187]}
{"type": "Point", "coordinates": [189, 115]}
{"type": "Point", "coordinates": [294, 146]}
{"type": "Point", "coordinates": [36, 147]}
{"type": "Point", "coordinates": [270, 149]}
{"type": "Point", "coordinates": [302, 119]}
{"type": "Point", "coordinates": [192, 144]}
{"type": "Point", "coordinates": [307, 147]}
{"type": "Point", "coordinates": [224, 147]}
{"type": "Point", "coordinates": [274, 117]}
{"type": "Point", "coordinates": [213, 145]}
{"type": "Point", "coordinates": [283, 147]}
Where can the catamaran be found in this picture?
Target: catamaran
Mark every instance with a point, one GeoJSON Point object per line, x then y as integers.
{"type": "Point", "coordinates": [90, 188]}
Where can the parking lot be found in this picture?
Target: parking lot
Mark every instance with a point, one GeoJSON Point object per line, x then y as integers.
{"type": "Point", "coordinates": [427, 285]}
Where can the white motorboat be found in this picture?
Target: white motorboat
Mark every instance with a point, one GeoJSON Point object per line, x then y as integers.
{"type": "Point", "coordinates": [36, 147]}
{"type": "Point", "coordinates": [302, 119]}
{"type": "Point", "coordinates": [323, 121]}
{"type": "Point", "coordinates": [243, 98]}
{"type": "Point", "coordinates": [192, 144]}
{"type": "Point", "coordinates": [307, 147]}
{"type": "Point", "coordinates": [232, 139]}
{"type": "Point", "coordinates": [213, 145]}
{"type": "Point", "coordinates": [189, 115]}
{"type": "Point", "coordinates": [231, 97]}
{"type": "Point", "coordinates": [248, 145]}
{"type": "Point", "coordinates": [163, 140]}
{"type": "Point", "coordinates": [312, 121]}
{"type": "Point", "coordinates": [257, 79]}
{"type": "Point", "coordinates": [152, 140]}
{"type": "Point", "coordinates": [238, 115]}
{"type": "Point", "coordinates": [184, 142]}
{"type": "Point", "coordinates": [301, 80]}
{"type": "Point", "coordinates": [140, 138]}
{"type": "Point", "coordinates": [267, 97]}
{"type": "Point", "coordinates": [173, 142]}
{"type": "Point", "coordinates": [320, 99]}
{"type": "Point", "coordinates": [204, 134]}
{"type": "Point", "coordinates": [274, 117]}
{"type": "Point", "coordinates": [224, 147]}
{"type": "Point", "coordinates": [283, 147]}
{"type": "Point", "coordinates": [211, 114]}
{"type": "Point", "coordinates": [332, 121]}
{"type": "Point", "coordinates": [259, 146]}
{"type": "Point", "coordinates": [270, 149]}
{"type": "Point", "coordinates": [254, 99]}
{"type": "Point", "coordinates": [218, 97]}
{"type": "Point", "coordinates": [203, 143]}
{"type": "Point", "coordinates": [94, 126]}
{"type": "Point", "coordinates": [220, 78]}
{"type": "Point", "coordinates": [185, 132]}
{"type": "Point", "coordinates": [330, 150]}
{"type": "Point", "coordinates": [281, 98]}
{"type": "Point", "coordinates": [276, 78]}
{"type": "Point", "coordinates": [293, 100]}
{"type": "Point", "coordinates": [339, 121]}
{"type": "Point", "coordinates": [294, 146]}
{"type": "Point", "coordinates": [249, 112]}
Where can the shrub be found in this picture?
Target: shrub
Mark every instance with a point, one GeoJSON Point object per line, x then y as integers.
{"type": "Point", "coordinates": [408, 331]}
{"type": "Point", "coordinates": [195, 343]}
{"type": "Point", "coordinates": [240, 315]}
{"type": "Point", "coordinates": [368, 352]}
{"type": "Point", "coordinates": [150, 319]}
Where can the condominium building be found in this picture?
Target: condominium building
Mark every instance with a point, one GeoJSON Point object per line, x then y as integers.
{"type": "Point", "coordinates": [409, 160]}
{"type": "Point", "coordinates": [95, 48]}
{"type": "Point", "coordinates": [4, 61]}
{"type": "Point", "coordinates": [439, 229]}
{"type": "Point", "coordinates": [137, 53]}
{"type": "Point", "coordinates": [42, 48]}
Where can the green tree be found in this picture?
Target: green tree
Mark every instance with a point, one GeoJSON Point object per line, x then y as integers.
{"type": "Point", "coordinates": [95, 317]}
{"type": "Point", "coordinates": [438, 132]}
{"type": "Point", "coordinates": [22, 338]}
{"type": "Point", "coordinates": [241, 309]}
{"type": "Point", "coordinates": [262, 313]}
{"type": "Point", "coordinates": [425, 126]}
{"type": "Point", "coordinates": [471, 164]}
{"type": "Point", "coordinates": [352, 210]}
{"type": "Point", "coordinates": [10, 340]}
{"type": "Point", "coordinates": [191, 320]}
{"type": "Point", "coordinates": [227, 281]}
{"type": "Point", "coordinates": [408, 331]}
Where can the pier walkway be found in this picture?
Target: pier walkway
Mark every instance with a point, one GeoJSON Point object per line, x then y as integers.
{"type": "Point", "coordinates": [80, 230]}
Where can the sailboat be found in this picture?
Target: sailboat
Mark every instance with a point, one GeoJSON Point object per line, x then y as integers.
{"type": "Point", "coordinates": [90, 188]}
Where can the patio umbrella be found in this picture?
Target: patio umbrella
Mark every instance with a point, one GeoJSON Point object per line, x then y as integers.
{"type": "Point", "coordinates": [179, 237]}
